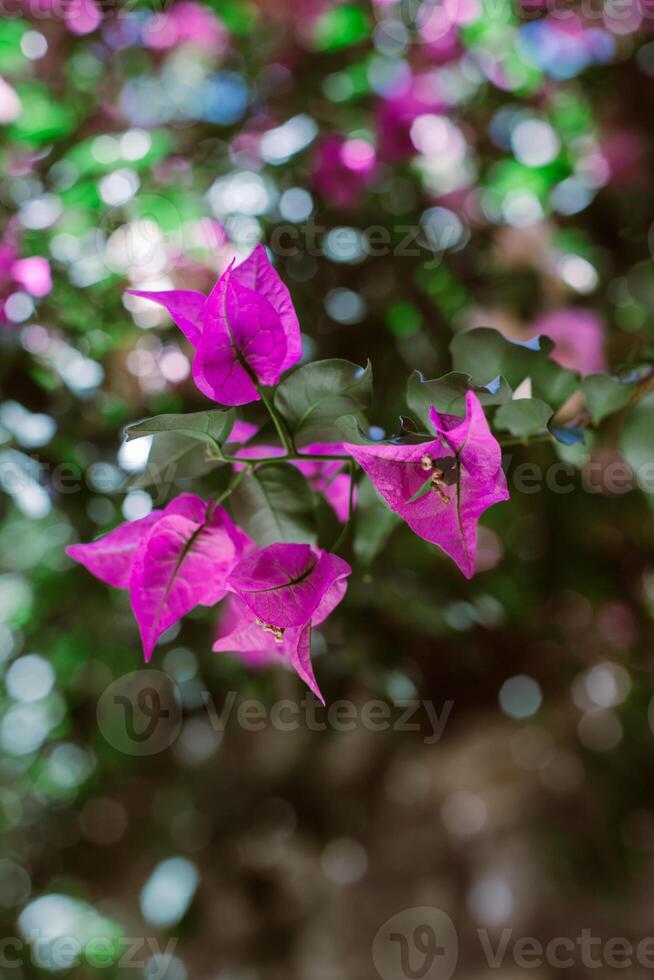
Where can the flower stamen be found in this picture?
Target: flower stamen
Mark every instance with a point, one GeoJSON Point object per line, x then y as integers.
{"type": "Point", "coordinates": [276, 631]}
{"type": "Point", "coordinates": [438, 485]}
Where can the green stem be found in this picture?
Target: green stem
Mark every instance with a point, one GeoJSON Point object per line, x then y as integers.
{"type": "Point", "coordinates": [283, 459]}
{"type": "Point", "coordinates": [346, 527]}
{"type": "Point", "coordinates": [230, 489]}
{"type": "Point", "coordinates": [279, 425]}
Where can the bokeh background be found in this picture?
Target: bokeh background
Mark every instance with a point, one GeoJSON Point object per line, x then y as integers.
{"type": "Point", "coordinates": [504, 150]}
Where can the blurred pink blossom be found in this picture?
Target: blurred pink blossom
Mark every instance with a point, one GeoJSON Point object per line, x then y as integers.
{"type": "Point", "coordinates": [33, 274]}
{"type": "Point", "coordinates": [396, 112]}
{"type": "Point", "coordinates": [342, 170]}
{"type": "Point", "coordinates": [186, 23]}
{"type": "Point", "coordinates": [82, 16]}
{"type": "Point", "coordinates": [579, 338]}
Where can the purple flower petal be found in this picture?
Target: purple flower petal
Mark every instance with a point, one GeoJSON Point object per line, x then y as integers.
{"type": "Point", "coordinates": [110, 557]}
{"type": "Point", "coordinates": [300, 658]}
{"type": "Point", "coordinates": [448, 514]}
{"type": "Point", "coordinates": [258, 645]}
{"type": "Point", "coordinates": [258, 274]}
{"type": "Point", "coordinates": [243, 343]}
{"type": "Point", "coordinates": [246, 333]}
{"type": "Point", "coordinates": [181, 564]}
{"type": "Point", "coordinates": [284, 584]}
{"type": "Point", "coordinates": [185, 307]}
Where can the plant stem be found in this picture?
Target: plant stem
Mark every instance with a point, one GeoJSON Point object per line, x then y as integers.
{"type": "Point", "coordinates": [279, 425]}
{"type": "Point", "coordinates": [230, 489]}
{"type": "Point", "coordinates": [346, 527]}
{"type": "Point", "coordinates": [311, 457]}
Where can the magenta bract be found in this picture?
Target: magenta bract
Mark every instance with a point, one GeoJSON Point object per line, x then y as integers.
{"type": "Point", "coordinates": [281, 592]}
{"type": "Point", "coordinates": [464, 467]}
{"type": "Point", "coordinates": [171, 561]}
{"type": "Point", "coordinates": [246, 332]}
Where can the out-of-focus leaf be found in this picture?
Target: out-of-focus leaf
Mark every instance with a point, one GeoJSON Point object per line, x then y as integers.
{"type": "Point", "coordinates": [87, 162]}
{"type": "Point", "coordinates": [41, 119]}
{"type": "Point", "coordinates": [523, 417]}
{"type": "Point", "coordinates": [637, 442]}
{"type": "Point", "coordinates": [374, 523]}
{"type": "Point", "coordinates": [11, 56]}
{"type": "Point", "coordinates": [485, 355]}
{"type": "Point", "coordinates": [341, 27]}
{"type": "Point", "coordinates": [605, 395]}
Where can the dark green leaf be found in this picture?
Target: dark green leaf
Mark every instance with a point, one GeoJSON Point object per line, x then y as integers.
{"type": "Point", "coordinates": [212, 427]}
{"type": "Point", "coordinates": [316, 395]}
{"type": "Point", "coordinates": [275, 503]}
{"type": "Point", "coordinates": [523, 417]}
{"type": "Point", "coordinates": [485, 354]}
{"type": "Point", "coordinates": [349, 430]}
{"type": "Point", "coordinates": [447, 394]}
{"type": "Point", "coordinates": [174, 456]}
{"type": "Point", "coordinates": [637, 441]}
{"type": "Point", "coordinates": [373, 524]}
{"type": "Point", "coordinates": [605, 395]}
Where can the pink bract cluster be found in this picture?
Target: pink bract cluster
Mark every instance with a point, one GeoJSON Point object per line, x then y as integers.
{"type": "Point", "coordinates": [246, 335]}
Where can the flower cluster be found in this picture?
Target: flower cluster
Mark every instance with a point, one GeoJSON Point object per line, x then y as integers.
{"type": "Point", "coordinates": [246, 336]}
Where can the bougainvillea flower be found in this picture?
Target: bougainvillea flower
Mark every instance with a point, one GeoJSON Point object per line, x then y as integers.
{"type": "Point", "coordinates": [33, 274]}
{"type": "Point", "coordinates": [400, 107]}
{"type": "Point", "coordinates": [342, 170]}
{"type": "Point", "coordinates": [442, 487]}
{"type": "Point", "coordinates": [82, 16]}
{"type": "Point", "coordinates": [325, 476]}
{"type": "Point", "coordinates": [186, 23]}
{"type": "Point", "coordinates": [171, 561]}
{"type": "Point", "coordinates": [579, 338]}
{"type": "Point", "coordinates": [280, 593]}
{"type": "Point", "coordinates": [246, 332]}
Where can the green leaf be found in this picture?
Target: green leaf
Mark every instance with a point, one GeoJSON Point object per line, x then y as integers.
{"type": "Point", "coordinates": [523, 417]}
{"type": "Point", "coordinates": [41, 119]}
{"type": "Point", "coordinates": [422, 492]}
{"type": "Point", "coordinates": [211, 427]}
{"type": "Point", "coordinates": [174, 456]}
{"type": "Point", "coordinates": [275, 503]}
{"type": "Point", "coordinates": [485, 354]}
{"type": "Point", "coordinates": [605, 395]}
{"type": "Point", "coordinates": [374, 524]}
{"type": "Point", "coordinates": [636, 442]}
{"type": "Point", "coordinates": [316, 395]}
{"type": "Point", "coordinates": [341, 27]}
{"type": "Point", "coordinates": [447, 394]}
{"type": "Point", "coordinates": [349, 430]}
